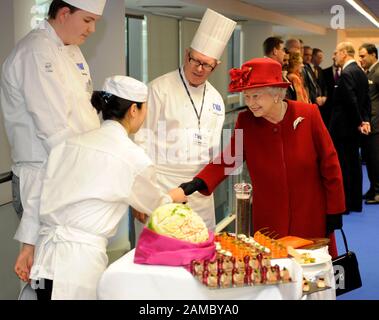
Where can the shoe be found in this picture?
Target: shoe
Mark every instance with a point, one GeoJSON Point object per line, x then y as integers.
{"type": "Point", "coordinates": [373, 200]}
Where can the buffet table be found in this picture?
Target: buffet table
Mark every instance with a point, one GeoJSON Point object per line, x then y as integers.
{"type": "Point", "coordinates": [126, 280]}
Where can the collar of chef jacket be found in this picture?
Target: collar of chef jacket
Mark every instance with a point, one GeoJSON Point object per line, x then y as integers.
{"type": "Point", "coordinates": [45, 25]}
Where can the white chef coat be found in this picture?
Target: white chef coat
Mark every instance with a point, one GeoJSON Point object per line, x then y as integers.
{"type": "Point", "coordinates": [89, 183]}
{"type": "Point", "coordinates": [45, 98]}
{"type": "Point", "coordinates": [175, 150]}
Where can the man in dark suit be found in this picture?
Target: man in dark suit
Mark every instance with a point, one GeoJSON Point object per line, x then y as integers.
{"type": "Point", "coordinates": [349, 119]}
{"type": "Point", "coordinates": [368, 56]}
{"type": "Point", "coordinates": [310, 80]}
{"type": "Point", "coordinates": [330, 76]}
{"type": "Point", "coordinates": [273, 47]}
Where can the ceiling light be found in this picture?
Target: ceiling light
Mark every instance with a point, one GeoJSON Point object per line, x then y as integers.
{"type": "Point", "coordinates": [161, 7]}
{"type": "Point", "coordinates": [357, 7]}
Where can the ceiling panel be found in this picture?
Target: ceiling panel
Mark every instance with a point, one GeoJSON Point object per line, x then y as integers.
{"type": "Point", "coordinates": [316, 12]}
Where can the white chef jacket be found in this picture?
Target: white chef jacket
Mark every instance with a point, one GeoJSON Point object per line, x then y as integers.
{"type": "Point", "coordinates": [89, 183]}
{"type": "Point", "coordinates": [169, 134]}
{"type": "Point", "coordinates": [45, 98]}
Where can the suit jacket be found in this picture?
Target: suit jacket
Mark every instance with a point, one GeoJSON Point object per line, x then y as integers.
{"type": "Point", "coordinates": [310, 82]}
{"type": "Point", "coordinates": [329, 82]}
{"type": "Point", "coordinates": [291, 92]}
{"type": "Point", "coordinates": [373, 84]}
{"type": "Point", "coordinates": [351, 103]}
{"type": "Point", "coordinates": [321, 81]}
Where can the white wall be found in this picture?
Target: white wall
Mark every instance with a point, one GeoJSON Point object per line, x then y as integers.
{"type": "Point", "coordinates": [162, 45]}
{"type": "Point", "coordinates": [254, 34]}
{"type": "Point", "coordinates": [105, 49]}
{"type": "Point", "coordinates": [327, 43]}
{"type": "Point", "coordinates": [22, 17]}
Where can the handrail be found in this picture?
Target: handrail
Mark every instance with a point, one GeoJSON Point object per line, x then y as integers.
{"type": "Point", "coordinates": [5, 177]}
{"type": "Point", "coordinates": [236, 109]}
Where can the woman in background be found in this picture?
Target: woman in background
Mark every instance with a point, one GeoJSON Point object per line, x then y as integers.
{"type": "Point", "coordinates": [295, 66]}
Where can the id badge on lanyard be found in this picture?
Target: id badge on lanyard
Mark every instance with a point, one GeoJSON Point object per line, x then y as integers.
{"type": "Point", "coordinates": [201, 138]}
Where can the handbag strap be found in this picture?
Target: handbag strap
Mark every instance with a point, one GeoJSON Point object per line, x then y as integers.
{"type": "Point", "coordinates": [344, 240]}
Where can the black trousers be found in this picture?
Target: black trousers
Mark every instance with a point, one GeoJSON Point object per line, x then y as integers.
{"type": "Point", "coordinates": [371, 147]}
{"type": "Point", "coordinates": [44, 290]}
{"type": "Point", "coordinates": [350, 162]}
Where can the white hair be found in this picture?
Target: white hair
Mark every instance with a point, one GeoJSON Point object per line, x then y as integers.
{"type": "Point", "coordinates": [281, 92]}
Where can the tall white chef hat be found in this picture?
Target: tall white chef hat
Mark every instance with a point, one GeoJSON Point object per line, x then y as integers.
{"type": "Point", "coordinates": [213, 34]}
{"type": "Point", "coordinates": [126, 88]}
{"type": "Point", "coordinates": [93, 6]}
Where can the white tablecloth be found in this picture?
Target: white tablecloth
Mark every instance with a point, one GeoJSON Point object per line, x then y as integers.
{"type": "Point", "coordinates": [124, 279]}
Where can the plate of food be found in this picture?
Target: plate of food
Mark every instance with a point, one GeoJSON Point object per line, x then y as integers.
{"type": "Point", "coordinates": [308, 258]}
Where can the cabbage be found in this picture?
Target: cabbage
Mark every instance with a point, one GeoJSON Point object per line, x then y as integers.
{"type": "Point", "coordinates": [178, 221]}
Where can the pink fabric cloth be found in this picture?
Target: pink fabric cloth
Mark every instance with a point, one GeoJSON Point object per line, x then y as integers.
{"type": "Point", "coordinates": [153, 248]}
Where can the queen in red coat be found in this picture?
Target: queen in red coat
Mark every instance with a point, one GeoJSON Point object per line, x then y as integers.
{"type": "Point", "coordinates": [291, 159]}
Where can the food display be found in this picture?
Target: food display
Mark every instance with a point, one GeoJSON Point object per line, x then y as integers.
{"type": "Point", "coordinates": [317, 284]}
{"type": "Point", "coordinates": [294, 242]}
{"type": "Point", "coordinates": [178, 221]}
{"type": "Point", "coordinates": [306, 258]}
{"type": "Point", "coordinates": [277, 249]}
{"type": "Point", "coordinates": [240, 261]}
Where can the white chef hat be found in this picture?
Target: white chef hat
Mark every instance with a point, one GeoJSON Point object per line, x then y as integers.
{"type": "Point", "coordinates": [126, 88]}
{"type": "Point", "coordinates": [213, 34]}
{"type": "Point", "coordinates": [93, 6]}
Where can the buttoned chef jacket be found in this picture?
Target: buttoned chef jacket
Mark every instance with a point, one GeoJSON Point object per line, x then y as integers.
{"type": "Point", "coordinates": [89, 183]}
{"type": "Point", "coordinates": [172, 138]}
{"type": "Point", "coordinates": [45, 98]}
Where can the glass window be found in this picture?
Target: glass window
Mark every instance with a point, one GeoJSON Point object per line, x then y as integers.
{"type": "Point", "coordinates": [136, 47]}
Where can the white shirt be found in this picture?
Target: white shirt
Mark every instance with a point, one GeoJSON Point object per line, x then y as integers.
{"type": "Point", "coordinates": [45, 95]}
{"type": "Point", "coordinates": [45, 98]}
{"type": "Point", "coordinates": [170, 134]}
{"type": "Point", "coordinates": [89, 183]}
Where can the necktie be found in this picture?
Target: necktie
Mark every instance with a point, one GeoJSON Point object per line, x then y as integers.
{"type": "Point", "coordinates": [315, 72]}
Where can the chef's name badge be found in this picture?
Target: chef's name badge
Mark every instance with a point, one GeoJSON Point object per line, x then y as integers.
{"type": "Point", "coordinates": [200, 139]}
{"type": "Point", "coordinates": [217, 109]}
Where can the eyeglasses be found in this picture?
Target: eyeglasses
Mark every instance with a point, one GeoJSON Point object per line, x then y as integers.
{"type": "Point", "coordinates": [197, 63]}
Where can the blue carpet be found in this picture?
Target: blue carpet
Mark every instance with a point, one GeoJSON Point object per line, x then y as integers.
{"type": "Point", "coordinates": [362, 232]}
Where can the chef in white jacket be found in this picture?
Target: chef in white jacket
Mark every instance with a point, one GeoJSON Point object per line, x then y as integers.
{"type": "Point", "coordinates": [89, 183]}
{"type": "Point", "coordinates": [182, 131]}
{"type": "Point", "coordinates": [46, 89]}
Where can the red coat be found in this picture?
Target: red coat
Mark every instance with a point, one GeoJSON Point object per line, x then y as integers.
{"type": "Point", "coordinates": [295, 173]}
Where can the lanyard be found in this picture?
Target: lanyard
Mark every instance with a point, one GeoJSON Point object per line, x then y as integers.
{"type": "Point", "coordinates": [193, 104]}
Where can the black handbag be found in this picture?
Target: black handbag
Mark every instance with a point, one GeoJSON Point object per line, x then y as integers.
{"type": "Point", "coordinates": [346, 271]}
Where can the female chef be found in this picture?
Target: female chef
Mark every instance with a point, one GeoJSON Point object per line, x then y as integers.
{"type": "Point", "coordinates": [90, 181]}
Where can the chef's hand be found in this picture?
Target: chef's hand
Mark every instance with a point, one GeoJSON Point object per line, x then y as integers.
{"type": "Point", "coordinates": [333, 222]}
{"type": "Point", "coordinates": [24, 262]}
{"type": "Point", "coordinates": [140, 216]}
{"type": "Point", "coordinates": [196, 184]}
{"type": "Point", "coordinates": [178, 195]}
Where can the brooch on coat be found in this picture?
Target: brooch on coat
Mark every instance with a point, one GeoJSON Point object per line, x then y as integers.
{"type": "Point", "coordinates": [296, 122]}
